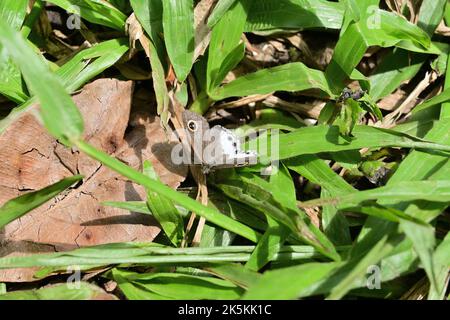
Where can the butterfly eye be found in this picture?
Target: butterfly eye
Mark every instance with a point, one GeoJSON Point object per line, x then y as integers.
{"type": "Point", "coordinates": [192, 125]}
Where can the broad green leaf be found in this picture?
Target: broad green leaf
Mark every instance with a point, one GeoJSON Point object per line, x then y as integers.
{"type": "Point", "coordinates": [178, 22]}
{"type": "Point", "coordinates": [228, 64]}
{"type": "Point", "coordinates": [238, 211]}
{"type": "Point", "coordinates": [442, 253]}
{"type": "Point", "coordinates": [32, 17]}
{"type": "Point", "coordinates": [184, 286]}
{"type": "Point", "coordinates": [15, 208]}
{"type": "Point", "coordinates": [289, 77]}
{"type": "Point", "coordinates": [359, 268]}
{"type": "Point", "coordinates": [60, 115]}
{"type": "Point", "coordinates": [224, 44]}
{"type": "Point", "coordinates": [95, 11]}
{"type": "Point", "coordinates": [213, 236]}
{"type": "Point", "coordinates": [395, 30]}
{"type": "Point", "coordinates": [317, 171]}
{"type": "Point", "coordinates": [365, 266]}
{"type": "Point", "coordinates": [320, 278]}
{"type": "Point", "coordinates": [334, 223]}
{"type": "Point", "coordinates": [271, 15]}
{"type": "Point", "coordinates": [386, 213]}
{"type": "Point", "coordinates": [271, 119]}
{"type": "Point", "coordinates": [441, 259]}
{"type": "Point", "coordinates": [347, 54]}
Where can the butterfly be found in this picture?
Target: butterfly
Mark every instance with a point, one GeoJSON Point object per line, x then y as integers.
{"type": "Point", "coordinates": [216, 147]}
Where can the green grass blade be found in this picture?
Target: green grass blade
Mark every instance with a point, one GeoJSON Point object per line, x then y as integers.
{"type": "Point", "coordinates": [133, 206]}
{"type": "Point", "coordinates": [17, 207]}
{"type": "Point", "coordinates": [60, 115]}
{"type": "Point", "coordinates": [150, 254]}
{"type": "Point", "coordinates": [164, 210]}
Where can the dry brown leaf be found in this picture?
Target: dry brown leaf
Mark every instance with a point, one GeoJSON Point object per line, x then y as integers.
{"type": "Point", "coordinates": [31, 159]}
{"type": "Point", "coordinates": [202, 32]}
{"type": "Point", "coordinates": [392, 101]}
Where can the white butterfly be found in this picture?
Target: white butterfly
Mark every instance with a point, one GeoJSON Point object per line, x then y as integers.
{"type": "Point", "coordinates": [215, 147]}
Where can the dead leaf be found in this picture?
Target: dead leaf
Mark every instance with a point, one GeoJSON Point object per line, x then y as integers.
{"type": "Point", "coordinates": [202, 12]}
{"type": "Point", "coordinates": [31, 159]}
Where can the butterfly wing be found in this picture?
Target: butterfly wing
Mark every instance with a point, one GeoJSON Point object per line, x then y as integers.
{"type": "Point", "coordinates": [228, 150]}
{"type": "Point", "coordinates": [196, 127]}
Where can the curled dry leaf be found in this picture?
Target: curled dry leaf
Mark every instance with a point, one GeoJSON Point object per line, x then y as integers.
{"type": "Point", "coordinates": [202, 12]}
{"type": "Point", "coordinates": [30, 159]}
